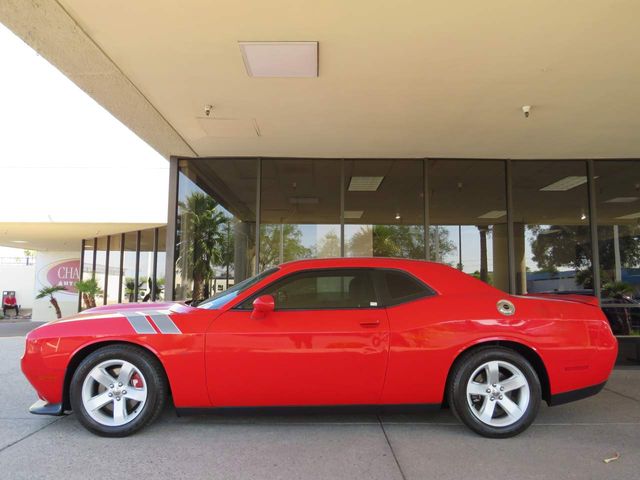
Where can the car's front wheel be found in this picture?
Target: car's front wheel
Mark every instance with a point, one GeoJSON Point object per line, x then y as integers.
{"type": "Point", "coordinates": [117, 390]}
{"type": "Point", "coordinates": [495, 392]}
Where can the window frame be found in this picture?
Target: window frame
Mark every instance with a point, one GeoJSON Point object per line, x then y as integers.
{"type": "Point", "coordinates": [340, 270]}
{"type": "Point", "coordinates": [386, 295]}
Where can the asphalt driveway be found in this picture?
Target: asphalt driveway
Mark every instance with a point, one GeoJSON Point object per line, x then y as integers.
{"type": "Point", "coordinates": [566, 442]}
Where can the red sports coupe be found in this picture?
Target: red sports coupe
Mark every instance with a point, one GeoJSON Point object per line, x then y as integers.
{"type": "Point", "coordinates": [371, 332]}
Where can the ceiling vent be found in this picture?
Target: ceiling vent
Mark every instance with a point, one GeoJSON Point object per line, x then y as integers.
{"type": "Point", "coordinates": [365, 184]}
{"type": "Point", "coordinates": [280, 59]}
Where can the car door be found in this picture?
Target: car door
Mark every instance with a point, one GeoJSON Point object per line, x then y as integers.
{"type": "Point", "coordinates": [325, 343]}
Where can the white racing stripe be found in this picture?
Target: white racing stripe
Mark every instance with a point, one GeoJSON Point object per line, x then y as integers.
{"type": "Point", "coordinates": [139, 322]}
{"type": "Point", "coordinates": [164, 323]}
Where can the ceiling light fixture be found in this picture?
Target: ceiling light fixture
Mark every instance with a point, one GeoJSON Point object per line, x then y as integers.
{"type": "Point", "coordinates": [622, 200]}
{"type": "Point", "coordinates": [19, 241]}
{"type": "Point", "coordinates": [353, 214]}
{"type": "Point", "coordinates": [583, 216]}
{"type": "Point", "coordinates": [365, 184]}
{"type": "Point", "coordinates": [566, 183]}
{"type": "Point", "coordinates": [494, 214]}
{"type": "Point", "coordinates": [280, 59]}
{"type": "Point", "coordinates": [398, 217]}
{"type": "Point", "coordinates": [631, 216]}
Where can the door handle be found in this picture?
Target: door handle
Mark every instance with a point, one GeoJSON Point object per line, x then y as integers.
{"type": "Point", "coordinates": [369, 323]}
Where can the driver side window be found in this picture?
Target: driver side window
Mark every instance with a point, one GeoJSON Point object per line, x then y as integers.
{"type": "Point", "coordinates": [324, 289]}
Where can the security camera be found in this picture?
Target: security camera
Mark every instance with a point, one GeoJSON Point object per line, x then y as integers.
{"type": "Point", "coordinates": [208, 109]}
{"type": "Point", "coordinates": [526, 109]}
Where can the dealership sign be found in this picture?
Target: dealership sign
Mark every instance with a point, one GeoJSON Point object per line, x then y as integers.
{"type": "Point", "coordinates": [64, 273]}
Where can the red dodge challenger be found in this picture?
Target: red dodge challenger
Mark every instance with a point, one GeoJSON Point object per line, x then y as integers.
{"type": "Point", "coordinates": [373, 332]}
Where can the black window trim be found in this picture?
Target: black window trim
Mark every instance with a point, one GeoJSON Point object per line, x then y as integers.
{"type": "Point", "coordinates": [383, 296]}
{"type": "Point", "coordinates": [387, 301]}
{"type": "Point", "coordinates": [370, 271]}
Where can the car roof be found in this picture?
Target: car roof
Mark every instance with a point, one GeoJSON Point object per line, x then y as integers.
{"type": "Point", "coordinates": [353, 261]}
{"type": "Point", "coordinates": [442, 278]}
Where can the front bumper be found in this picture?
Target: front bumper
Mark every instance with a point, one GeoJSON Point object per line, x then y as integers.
{"type": "Point", "coordinates": [44, 408]}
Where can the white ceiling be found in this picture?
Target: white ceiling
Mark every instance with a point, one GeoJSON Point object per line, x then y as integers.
{"type": "Point", "coordinates": [60, 236]}
{"type": "Point", "coordinates": [396, 79]}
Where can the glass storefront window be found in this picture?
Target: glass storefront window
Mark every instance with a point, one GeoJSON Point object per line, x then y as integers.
{"type": "Point", "coordinates": [384, 208]}
{"type": "Point", "coordinates": [300, 210]}
{"type": "Point", "coordinates": [161, 263]}
{"type": "Point", "coordinates": [113, 284]}
{"type": "Point", "coordinates": [617, 185]}
{"type": "Point", "coordinates": [383, 202]}
{"type": "Point", "coordinates": [129, 268]}
{"type": "Point", "coordinates": [145, 268]}
{"type": "Point", "coordinates": [101, 268]}
{"type": "Point", "coordinates": [468, 216]}
{"type": "Point", "coordinates": [552, 240]}
{"type": "Point", "coordinates": [216, 222]}
{"type": "Point", "coordinates": [116, 273]}
{"type": "Point", "coordinates": [88, 256]}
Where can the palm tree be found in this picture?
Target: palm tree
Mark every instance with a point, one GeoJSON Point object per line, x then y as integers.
{"type": "Point", "coordinates": [130, 288]}
{"type": "Point", "coordinates": [88, 289]}
{"type": "Point", "coordinates": [202, 233]}
{"type": "Point", "coordinates": [48, 292]}
{"type": "Point", "coordinates": [617, 289]}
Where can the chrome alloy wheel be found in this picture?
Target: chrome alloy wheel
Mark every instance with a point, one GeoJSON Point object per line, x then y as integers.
{"type": "Point", "coordinates": [498, 393]}
{"type": "Point", "coordinates": [114, 392]}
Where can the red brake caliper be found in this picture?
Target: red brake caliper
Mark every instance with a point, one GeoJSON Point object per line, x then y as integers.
{"type": "Point", "coordinates": [136, 381]}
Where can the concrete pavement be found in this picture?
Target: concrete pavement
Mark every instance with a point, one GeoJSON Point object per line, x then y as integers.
{"type": "Point", "coordinates": [566, 442]}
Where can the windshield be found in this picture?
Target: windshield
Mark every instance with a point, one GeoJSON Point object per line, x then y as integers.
{"type": "Point", "coordinates": [222, 298]}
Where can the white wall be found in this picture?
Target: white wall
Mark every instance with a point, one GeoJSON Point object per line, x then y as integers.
{"type": "Point", "coordinates": [56, 268]}
{"type": "Point", "coordinates": [20, 278]}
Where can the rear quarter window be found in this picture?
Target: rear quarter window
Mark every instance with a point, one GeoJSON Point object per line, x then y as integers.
{"type": "Point", "coordinates": [402, 287]}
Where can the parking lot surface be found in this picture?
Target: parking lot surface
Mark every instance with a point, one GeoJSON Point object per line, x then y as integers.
{"type": "Point", "coordinates": [566, 442]}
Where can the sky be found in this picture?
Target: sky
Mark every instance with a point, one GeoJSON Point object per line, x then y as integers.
{"type": "Point", "coordinates": [64, 158]}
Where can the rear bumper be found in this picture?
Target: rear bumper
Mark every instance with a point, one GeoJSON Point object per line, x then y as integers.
{"type": "Point", "coordinates": [573, 395]}
{"type": "Point", "coordinates": [44, 408]}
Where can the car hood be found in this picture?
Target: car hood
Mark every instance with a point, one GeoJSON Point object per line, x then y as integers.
{"type": "Point", "coordinates": [106, 311]}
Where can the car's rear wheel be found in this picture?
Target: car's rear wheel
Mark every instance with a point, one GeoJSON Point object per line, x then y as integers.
{"type": "Point", "coordinates": [117, 390]}
{"type": "Point", "coordinates": [495, 392]}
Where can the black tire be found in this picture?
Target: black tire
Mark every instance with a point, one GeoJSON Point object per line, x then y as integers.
{"type": "Point", "coordinates": [156, 384]}
{"type": "Point", "coordinates": [457, 391]}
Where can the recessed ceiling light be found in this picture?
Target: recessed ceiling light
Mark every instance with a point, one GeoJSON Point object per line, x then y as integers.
{"type": "Point", "coordinates": [622, 200]}
{"type": "Point", "coordinates": [494, 214]}
{"type": "Point", "coordinates": [353, 214]}
{"type": "Point", "coordinates": [365, 184]}
{"type": "Point", "coordinates": [631, 216]}
{"type": "Point", "coordinates": [280, 59]}
{"type": "Point", "coordinates": [567, 183]}
{"type": "Point", "coordinates": [19, 241]}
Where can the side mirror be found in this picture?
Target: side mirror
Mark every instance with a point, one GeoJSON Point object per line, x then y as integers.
{"type": "Point", "coordinates": [262, 306]}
